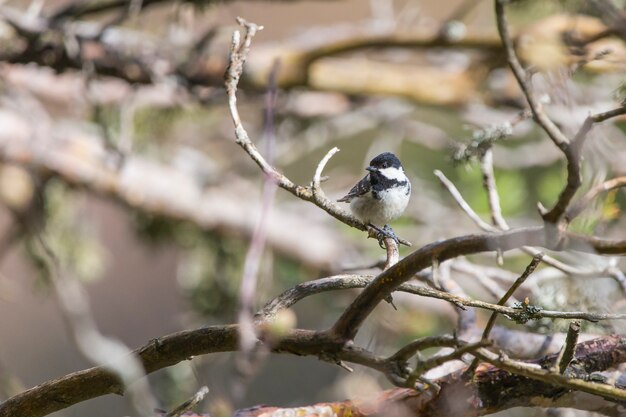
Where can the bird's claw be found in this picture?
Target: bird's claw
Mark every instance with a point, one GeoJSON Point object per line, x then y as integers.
{"type": "Point", "coordinates": [384, 233]}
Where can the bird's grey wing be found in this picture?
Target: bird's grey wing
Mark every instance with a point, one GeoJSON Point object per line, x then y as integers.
{"type": "Point", "coordinates": [361, 187]}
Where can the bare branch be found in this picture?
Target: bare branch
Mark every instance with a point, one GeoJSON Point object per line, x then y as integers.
{"type": "Point", "coordinates": [344, 282]}
{"type": "Point", "coordinates": [107, 352]}
{"type": "Point", "coordinates": [405, 353]}
{"type": "Point", "coordinates": [348, 324]}
{"type": "Point", "coordinates": [190, 403]}
{"type": "Point", "coordinates": [571, 150]}
{"type": "Point", "coordinates": [489, 182]}
{"type": "Point", "coordinates": [523, 79]}
{"type": "Point", "coordinates": [492, 320]}
{"type": "Point", "coordinates": [577, 208]}
{"type": "Point", "coordinates": [458, 198]}
{"type": "Point", "coordinates": [569, 349]}
{"type": "Point", "coordinates": [320, 168]}
{"type": "Point", "coordinates": [540, 374]}
{"type": "Point", "coordinates": [239, 53]}
{"type": "Point", "coordinates": [573, 153]}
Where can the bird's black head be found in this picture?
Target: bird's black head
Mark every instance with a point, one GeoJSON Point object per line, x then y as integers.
{"type": "Point", "coordinates": [385, 160]}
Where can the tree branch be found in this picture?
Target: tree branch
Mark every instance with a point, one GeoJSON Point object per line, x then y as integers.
{"type": "Point", "coordinates": [348, 324]}
{"type": "Point", "coordinates": [476, 397]}
{"type": "Point", "coordinates": [569, 349]}
{"type": "Point", "coordinates": [492, 319]}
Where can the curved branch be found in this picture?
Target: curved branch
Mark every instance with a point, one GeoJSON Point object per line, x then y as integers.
{"type": "Point", "coordinates": [169, 350]}
{"type": "Point", "coordinates": [571, 149]}
{"type": "Point", "coordinates": [348, 324]}
{"type": "Point", "coordinates": [159, 353]}
{"type": "Point", "coordinates": [575, 210]}
{"type": "Point", "coordinates": [238, 56]}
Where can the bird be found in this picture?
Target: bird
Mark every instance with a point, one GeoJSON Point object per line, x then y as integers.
{"type": "Point", "coordinates": [381, 196]}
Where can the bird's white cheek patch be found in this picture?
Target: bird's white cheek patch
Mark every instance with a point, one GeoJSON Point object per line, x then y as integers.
{"type": "Point", "coordinates": [393, 173]}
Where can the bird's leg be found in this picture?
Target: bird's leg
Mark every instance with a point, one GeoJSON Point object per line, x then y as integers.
{"type": "Point", "coordinates": [383, 233]}
{"type": "Point", "coordinates": [388, 232]}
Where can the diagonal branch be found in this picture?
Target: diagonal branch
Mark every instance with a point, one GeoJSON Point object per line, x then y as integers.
{"type": "Point", "coordinates": [313, 194]}
{"type": "Point", "coordinates": [492, 319]}
{"type": "Point", "coordinates": [523, 79]}
{"type": "Point", "coordinates": [575, 210]}
{"type": "Point", "coordinates": [571, 149]}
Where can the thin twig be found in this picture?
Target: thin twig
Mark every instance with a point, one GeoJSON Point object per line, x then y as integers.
{"type": "Point", "coordinates": [489, 183]}
{"type": "Point", "coordinates": [518, 282]}
{"type": "Point", "coordinates": [238, 55]}
{"type": "Point", "coordinates": [406, 352]}
{"type": "Point", "coordinates": [577, 208]}
{"type": "Point", "coordinates": [317, 177]}
{"type": "Point", "coordinates": [190, 403]}
{"type": "Point", "coordinates": [573, 155]}
{"type": "Point", "coordinates": [492, 320]}
{"type": "Point", "coordinates": [424, 366]}
{"type": "Point", "coordinates": [458, 198]}
{"type": "Point", "coordinates": [523, 80]}
{"type": "Point", "coordinates": [463, 204]}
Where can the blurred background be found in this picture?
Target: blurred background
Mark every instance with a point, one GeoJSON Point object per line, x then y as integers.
{"type": "Point", "coordinates": [115, 140]}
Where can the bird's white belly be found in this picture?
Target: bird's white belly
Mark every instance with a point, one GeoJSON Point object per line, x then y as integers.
{"type": "Point", "coordinates": [381, 211]}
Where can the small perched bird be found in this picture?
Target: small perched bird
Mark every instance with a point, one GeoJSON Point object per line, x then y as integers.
{"type": "Point", "coordinates": [382, 195]}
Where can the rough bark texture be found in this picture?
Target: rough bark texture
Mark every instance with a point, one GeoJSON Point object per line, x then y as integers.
{"type": "Point", "coordinates": [490, 390]}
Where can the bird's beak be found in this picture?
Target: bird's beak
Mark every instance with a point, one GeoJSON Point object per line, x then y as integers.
{"type": "Point", "coordinates": [371, 169]}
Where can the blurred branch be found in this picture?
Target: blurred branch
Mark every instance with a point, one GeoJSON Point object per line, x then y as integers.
{"type": "Point", "coordinates": [571, 149]}
{"type": "Point", "coordinates": [80, 9]}
{"type": "Point", "coordinates": [131, 55]}
{"type": "Point", "coordinates": [577, 208]}
{"type": "Point", "coordinates": [246, 361]}
{"type": "Point", "coordinates": [80, 159]}
{"type": "Point", "coordinates": [523, 79]}
{"type": "Point", "coordinates": [189, 404]}
{"type": "Point", "coordinates": [159, 353]}
{"type": "Point", "coordinates": [109, 353]}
